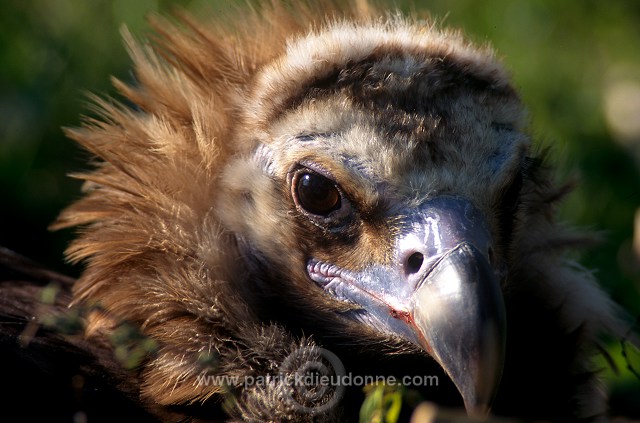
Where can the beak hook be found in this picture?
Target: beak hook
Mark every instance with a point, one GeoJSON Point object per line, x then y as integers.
{"type": "Point", "coordinates": [459, 310]}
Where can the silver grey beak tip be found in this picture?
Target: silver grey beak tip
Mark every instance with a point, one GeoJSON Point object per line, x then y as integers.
{"type": "Point", "coordinates": [460, 311]}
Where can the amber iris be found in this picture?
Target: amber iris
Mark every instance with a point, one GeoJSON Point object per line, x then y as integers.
{"type": "Point", "coordinates": [317, 194]}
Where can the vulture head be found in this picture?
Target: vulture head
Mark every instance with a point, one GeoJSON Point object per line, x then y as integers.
{"type": "Point", "coordinates": [334, 179]}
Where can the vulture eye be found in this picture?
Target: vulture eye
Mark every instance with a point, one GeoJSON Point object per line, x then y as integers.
{"type": "Point", "coordinates": [316, 194]}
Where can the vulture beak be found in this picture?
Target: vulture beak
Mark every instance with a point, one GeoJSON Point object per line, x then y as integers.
{"type": "Point", "coordinates": [440, 293]}
{"type": "Point", "coordinates": [458, 316]}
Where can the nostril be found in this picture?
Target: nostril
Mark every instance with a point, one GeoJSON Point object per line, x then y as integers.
{"type": "Point", "coordinates": [414, 263]}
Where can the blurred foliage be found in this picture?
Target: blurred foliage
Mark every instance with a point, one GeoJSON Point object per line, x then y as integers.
{"type": "Point", "coordinates": [389, 403]}
{"type": "Point", "coordinates": [382, 404]}
{"type": "Point", "coordinates": [576, 63]}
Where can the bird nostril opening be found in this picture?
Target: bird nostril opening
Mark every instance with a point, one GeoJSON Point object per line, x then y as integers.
{"type": "Point", "coordinates": [414, 263]}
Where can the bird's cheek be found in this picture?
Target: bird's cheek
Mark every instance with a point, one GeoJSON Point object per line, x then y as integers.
{"type": "Point", "coordinates": [251, 205]}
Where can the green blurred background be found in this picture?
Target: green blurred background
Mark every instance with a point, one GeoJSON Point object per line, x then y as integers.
{"type": "Point", "coordinates": [576, 63]}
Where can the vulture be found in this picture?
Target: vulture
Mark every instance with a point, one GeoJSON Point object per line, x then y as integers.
{"type": "Point", "coordinates": [288, 205]}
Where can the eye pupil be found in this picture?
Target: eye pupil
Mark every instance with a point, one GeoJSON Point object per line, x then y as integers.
{"type": "Point", "coordinates": [317, 194]}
